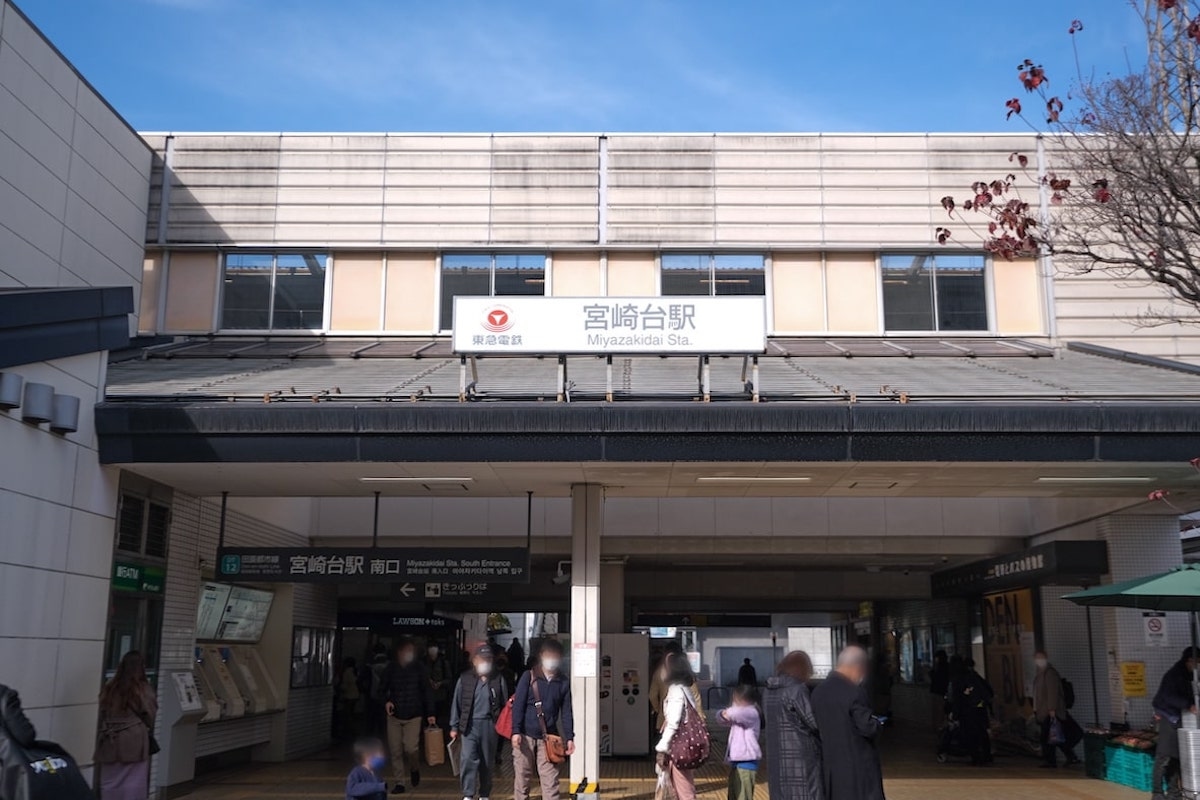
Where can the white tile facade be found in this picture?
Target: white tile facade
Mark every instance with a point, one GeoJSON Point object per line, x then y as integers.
{"type": "Point", "coordinates": [73, 185]}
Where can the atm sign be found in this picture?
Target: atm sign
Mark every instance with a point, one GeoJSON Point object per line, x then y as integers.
{"type": "Point", "coordinates": [138, 578]}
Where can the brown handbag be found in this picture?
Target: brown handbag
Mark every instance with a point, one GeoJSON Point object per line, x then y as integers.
{"type": "Point", "coordinates": [556, 748]}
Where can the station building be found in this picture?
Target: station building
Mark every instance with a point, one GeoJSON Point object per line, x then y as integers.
{"type": "Point", "coordinates": [222, 348]}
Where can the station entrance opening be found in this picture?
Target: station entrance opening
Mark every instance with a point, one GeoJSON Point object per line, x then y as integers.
{"type": "Point", "coordinates": [736, 527]}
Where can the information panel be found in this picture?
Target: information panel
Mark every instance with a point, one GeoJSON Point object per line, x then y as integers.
{"type": "Point", "coordinates": [235, 614]}
{"type": "Point", "coordinates": [610, 325]}
{"type": "Point", "coordinates": [373, 564]}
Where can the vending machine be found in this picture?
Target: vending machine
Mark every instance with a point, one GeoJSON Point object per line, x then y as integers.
{"type": "Point", "coordinates": [624, 694]}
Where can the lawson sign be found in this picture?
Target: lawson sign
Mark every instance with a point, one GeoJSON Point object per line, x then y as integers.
{"type": "Point", "coordinates": [609, 325]}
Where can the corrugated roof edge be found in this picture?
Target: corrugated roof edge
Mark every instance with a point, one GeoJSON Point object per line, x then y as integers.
{"type": "Point", "coordinates": [138, 134]}
{"type": "Point", "coordinates": [1133, 358]}
{"type": "Point", "coordinates": [575, 134]}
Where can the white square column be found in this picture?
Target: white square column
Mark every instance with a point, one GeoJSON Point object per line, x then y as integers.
{"type": "Point", "coordinates": [587, 520]}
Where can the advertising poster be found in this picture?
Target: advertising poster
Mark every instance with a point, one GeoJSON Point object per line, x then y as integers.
{"type": "Point", "coordinates": [1008, 633]}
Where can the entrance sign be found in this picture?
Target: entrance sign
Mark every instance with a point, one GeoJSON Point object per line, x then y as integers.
{"type": "Point", "coordinates": [1154, 626]}
{"type": "Point", "coordinates": [372, 564]}
{"type": "Point", "coordinates": [609, 325]}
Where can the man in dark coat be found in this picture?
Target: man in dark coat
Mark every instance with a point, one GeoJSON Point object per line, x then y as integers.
{"type": "Point", "coordinates": [747, 675]}
{"type": "Point", "coordinates": [850, 760]}
{"type": "Point", "coordinates": [32, 769]}
{"type": "Point", "coordinates": [1174, 697]}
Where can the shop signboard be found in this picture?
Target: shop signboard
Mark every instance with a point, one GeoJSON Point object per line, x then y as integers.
{"type": "Point", "coordinates": [138, 578]}
{"type": "Point", "coordinates": [1068, 563]}
{"type": "Point", "coordinates": [1008, 645]}
{"type": "Point", "coordinates": [609, 325]}
{"type": "Point", "coordinates": [1133, 678]}
{"type": "Point", "coordinates": [373, 564]}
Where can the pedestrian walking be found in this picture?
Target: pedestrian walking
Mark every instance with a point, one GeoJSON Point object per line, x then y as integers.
{"type": "Point", "coordinates": [747, 675]}
{"type": "Point", "coordinates": [475, 706]}
{"type": "Point", "coordinates": [128, 706]}
{"type": "Point", "coordinates": [849, 756]}
{"type": "Point", "coordinates": [441, 681]}
{"type": "Point", "coordinates": [968, 702]}
{"type": "Point", "coordinates": [543, 724]}
{"type": "Point", "coordinates": [408, 702]}
{"type": "Point", "coordinates": [658, 689]}
{"type": "Point", "coordinates": [349, 699]}
{"type": "Point", "coordinates": [793, 743]}
{"type": "Point", "coordinates": [1050, 711]}
{"type": "Point", "coordinates": [939, 687]}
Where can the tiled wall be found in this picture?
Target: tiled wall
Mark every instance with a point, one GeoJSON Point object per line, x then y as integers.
{"type": "Point", "coordinates": [1140, 546]}
{"type": "Point", "coordinates": [193, 545]}
{"type": "Point", "coordinates": [1064, 637]}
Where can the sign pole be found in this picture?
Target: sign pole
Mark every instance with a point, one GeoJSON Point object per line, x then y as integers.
{"type": "Point", "coordinates": [1092, 664]}
{"type": "Point", "coordinates": [529, 536]}
{"type": "Point", "coordinates": [221, 529]}
{"type": "Point", "coordinates": [375, 525]}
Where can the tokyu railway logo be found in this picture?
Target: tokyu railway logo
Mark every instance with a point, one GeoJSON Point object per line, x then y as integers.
{"type": "Point", "coordinates": [498, 319]}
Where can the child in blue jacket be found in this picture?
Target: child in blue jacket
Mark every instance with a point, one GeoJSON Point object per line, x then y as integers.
{"type": "Point", "coordinates": [363, 782]}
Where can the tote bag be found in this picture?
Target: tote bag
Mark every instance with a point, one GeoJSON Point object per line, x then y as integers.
{"type": "Point", "coordinates": [690, 746]}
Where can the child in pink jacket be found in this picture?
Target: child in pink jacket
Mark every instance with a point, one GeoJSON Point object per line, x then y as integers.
{"type": "Point", "coordinates": [744, 751]}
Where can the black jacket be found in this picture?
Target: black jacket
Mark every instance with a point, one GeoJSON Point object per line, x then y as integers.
{"type": "Point", "coordinates": [409, 690]}
{"type": "Point", "coordinates": [793, 744]}
{"type": "Point", "coordinates": [33, 770]}
{"type": "Point", "coordinates": [1174, 695]}
{"type": "Point", "coordinates": [850, 760]}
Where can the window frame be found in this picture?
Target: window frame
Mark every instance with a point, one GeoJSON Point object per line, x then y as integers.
{"type": "Point", "coordinates": [144, 528]}
{"type": "Point", "coordinates": [326, 292]}
{"type": "Point", "coordinates": [989, 304]}
{"type": "Point", "coordinates": [712, 256]}
{"type": "Point", "coordinates": [547, 272]}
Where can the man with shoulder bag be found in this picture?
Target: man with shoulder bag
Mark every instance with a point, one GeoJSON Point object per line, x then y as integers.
{"type": "Point", "coordinates": [32, 769]}
{"type": "Point", "coordinates": [543, 724]}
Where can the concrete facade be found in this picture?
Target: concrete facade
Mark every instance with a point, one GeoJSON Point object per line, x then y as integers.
{"type": "Point", "coordinates": [73, 184]}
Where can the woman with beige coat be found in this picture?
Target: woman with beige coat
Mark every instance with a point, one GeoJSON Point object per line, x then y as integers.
{"type": "Point", "coordinates": [127, 710]}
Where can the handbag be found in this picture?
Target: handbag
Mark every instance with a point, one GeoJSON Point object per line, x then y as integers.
{"type": "Point", "coordinates": [504, 722]}
{"type": "Point", "coordinates": [435, 754]}
{"type": "Point", "coordinates": [690, 747]}
{"type": "Point", "coordinates": [556, 748]}
{"type": "Point", "coordinates": [153, 743]}
{"type": "Point", "coordinates": [1055, 735]}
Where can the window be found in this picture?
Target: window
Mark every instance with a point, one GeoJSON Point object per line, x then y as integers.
{"type": "Point", "coordinates": [927, 293]}
{"type": "Point", "coordinates": [713, 274]}
{"type": "Point", "coordinates": [485, 275]}
{"type": "Point", "coordinates": [266, 291]}
{"type": "Point", "coordinates": [142, 526]}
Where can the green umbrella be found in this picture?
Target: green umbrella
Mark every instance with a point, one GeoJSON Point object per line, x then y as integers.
{"type": "Point", "coordinates": [1177, 590]}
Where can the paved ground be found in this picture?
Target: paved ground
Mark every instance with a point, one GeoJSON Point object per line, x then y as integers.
{"type": "Point", "coordinates": [911, 774]}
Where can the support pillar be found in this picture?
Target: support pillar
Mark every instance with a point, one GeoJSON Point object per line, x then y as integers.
{"type": "Point", "coordinates": [612, 608]}
{"type": "Point", "coordinates": [587, 518]}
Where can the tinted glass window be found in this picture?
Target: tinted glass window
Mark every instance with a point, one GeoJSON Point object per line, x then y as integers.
{"type": "Point", "coordinates": [961, 293]}
{"type": "Point", "coordinates": [520, 274]}
{"type": "Point", "coordinates": [908, 293]}
{"type": "Point", "coordinates": [299, 292]}
{"type": "Point", "coordinates": [466, 275]}
{"type": "Point", "coordinates": [739, 274]}
{"type": "Point", "coordinates": [685, 274]}
{"type": "Point", "coordinates": [247, 296]}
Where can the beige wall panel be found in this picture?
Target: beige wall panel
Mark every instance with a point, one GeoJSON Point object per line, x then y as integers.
{"type": "Point", "coordinates": [1017, 297]}
{"type": "Point", "coordinates": [575, 275]}
{"type": "Point", "coordinates": [412, 285]}
{"type": "Point", "coordinates": [797, 295]}
{"type": "Point", "coordinates": [192, 285]}
{"type": "Point", "coordinates": [152, 270]}
{"type": "Point", "coordinates": [355, 296]}
{"type": "Point", "coordinates": [532, 232]}
{"type": "Point", "coordinates": [775, 234]}
{"type": "Point", "coordinates": [868, 234]}
{"type": "Point", "coordinates": [632, 275]}
{"type": "Point", "coordinates": [852, 289]}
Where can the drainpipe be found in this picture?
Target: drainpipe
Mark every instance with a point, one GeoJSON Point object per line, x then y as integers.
{"type": "Point", "coordinates": [1045, 258]}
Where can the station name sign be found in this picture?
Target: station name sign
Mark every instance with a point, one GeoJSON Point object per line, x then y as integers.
{"type": "Point", "coordinates": [1065, 563]}
{"type": "Point", "coordinates": [609, 325]}
{"type": "Point", "coordinates": [372, 564]}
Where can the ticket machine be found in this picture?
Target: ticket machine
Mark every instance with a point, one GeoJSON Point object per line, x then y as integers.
{"type": "Point", "coordinates": [212, 703]}
{"type": "Point", "coordinates": [236, 663]}
{"type": "Point", "coordinates": [251, 660]}
{"type": "Point", "coordinates": [220, 680]}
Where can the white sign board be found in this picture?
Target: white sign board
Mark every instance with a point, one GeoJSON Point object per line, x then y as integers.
{"type": "Point", "coordinates": [585, 660]}
{"type": "Point", "coordinates": [1154, 627]}
{"type": "Point", "coordinates": [609, 325]}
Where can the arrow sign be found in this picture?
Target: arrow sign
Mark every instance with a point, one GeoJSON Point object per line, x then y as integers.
{"type": "Point", "coordinates": [407, 589]}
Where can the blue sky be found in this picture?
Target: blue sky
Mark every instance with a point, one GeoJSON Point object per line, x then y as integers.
{"type": "Point", "coordinates": [562, 65]}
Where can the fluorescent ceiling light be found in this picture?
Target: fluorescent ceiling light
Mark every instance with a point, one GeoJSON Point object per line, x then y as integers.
{"type": "Point", "coordinates": [1095, 479]}
{"type": "Point", "coordinates": [752, 479]}
{"type": "Point", "coordinates": [416, 480]}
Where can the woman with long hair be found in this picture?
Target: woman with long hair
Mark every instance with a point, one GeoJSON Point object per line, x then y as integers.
{"type": "Point", "coordinates": [794, 762]}
{"type": "Point", "coordinates": [677, 676]}
{"type": "Point", "coordinates": [127, 710]}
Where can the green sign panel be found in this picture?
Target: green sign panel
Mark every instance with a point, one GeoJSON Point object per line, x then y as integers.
{"type": "Point", "coordinates": [138, 578]}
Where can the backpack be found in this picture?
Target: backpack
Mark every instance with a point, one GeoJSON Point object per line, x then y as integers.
{"type": "Point", "coordinates": [690, 747]}
{"type": "Point", "coordinates": [1068, 693]}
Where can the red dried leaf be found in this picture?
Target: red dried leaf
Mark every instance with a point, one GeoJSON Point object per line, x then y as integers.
{"type": "Point", "coordinates": [1193, 30]}
{"type": "Point", "coordinates": [1060, 184]}
{"type": "Point", "coordinates": [1167, 5]}
{"type": "Point", "coordinates": [1076, 27]}
{"type": "Point", "coordinates": [1054, 107]}
{"type": "Point", "coordinates": [1013, 106]}
{"type": "Point", "coordinates": [1020, 158]}
{"type": "Point", "coordinates": [1056, 199]}
{"type": "Point", "coordinates": [1031, 76]}
{"type": "Point", "coordinates": [948, 204]}
{"type": "Point", "coordinates": [943, 234]}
